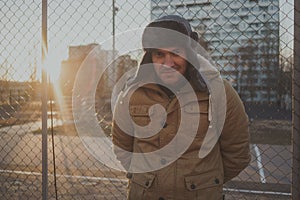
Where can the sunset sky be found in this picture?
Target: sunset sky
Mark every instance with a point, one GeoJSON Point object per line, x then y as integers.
{"type": "Point", "coordinates": [76, 23]}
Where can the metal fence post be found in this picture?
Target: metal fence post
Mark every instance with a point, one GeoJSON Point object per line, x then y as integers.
{"type": "Point", "coordinates": [44, 104]}
{"type": "Point", "coordinates": [113, 27]}
{"type": "Point", "coordinates": [296, 106]}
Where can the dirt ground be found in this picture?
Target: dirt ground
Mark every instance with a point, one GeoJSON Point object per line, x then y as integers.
{"type": "Point", "coordinates": [28, 186]}
{"type": "Point", "coordinates": [274, 132]}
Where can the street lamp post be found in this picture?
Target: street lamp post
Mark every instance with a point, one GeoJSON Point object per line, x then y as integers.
{"type": "Point", "coordinates": [44, 104]}
{"type": "Point", "coordinates": [114, 12]}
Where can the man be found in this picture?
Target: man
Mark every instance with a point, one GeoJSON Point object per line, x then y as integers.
{"type": "Point", "coordinates": [176, 102]}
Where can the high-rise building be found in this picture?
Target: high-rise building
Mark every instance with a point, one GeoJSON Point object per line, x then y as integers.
{"type": "Point", "coordinates": [242, 38]}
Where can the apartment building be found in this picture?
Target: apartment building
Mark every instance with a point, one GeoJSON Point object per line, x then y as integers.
{"type": "Point", "coordinates": [242, 38]}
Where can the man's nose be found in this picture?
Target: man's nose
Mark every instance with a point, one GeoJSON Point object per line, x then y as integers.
{"type": "Point", "coordinates": [169, 60]}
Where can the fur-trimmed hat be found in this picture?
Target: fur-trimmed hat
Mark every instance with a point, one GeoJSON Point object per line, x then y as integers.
{"type": "Point", "coordinates": [170, 31]}
{"type": "Point", "coordinates": [166, 31]}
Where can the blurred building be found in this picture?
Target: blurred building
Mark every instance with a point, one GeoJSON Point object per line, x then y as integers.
{"type": "Point", "coordinates": [242, 38]}
{"type": "Point", "coordinates": [69, 67]}
{"type": "Point", "coordinates": [14, 92]}
{"type": "Point", "coordinates": [100, 70]}
{"type": "Point", "coordinates": [103, 59]}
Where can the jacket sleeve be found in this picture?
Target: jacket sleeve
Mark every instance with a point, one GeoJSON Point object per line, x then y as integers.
{"type": "Point", "coordinates": [122, 142]}
{"type": "Point", "coordinates": [234, 139]}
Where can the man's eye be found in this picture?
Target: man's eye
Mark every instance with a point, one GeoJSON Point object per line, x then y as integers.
{"type": "Point", "coordinates": [158, 54]}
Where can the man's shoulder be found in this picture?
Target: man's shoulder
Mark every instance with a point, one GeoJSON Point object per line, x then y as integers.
{"type": "Point", "coordinates": [228, 86]}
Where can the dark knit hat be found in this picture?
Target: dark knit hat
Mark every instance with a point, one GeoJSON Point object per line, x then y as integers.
{"type": "Point", "coordinates": [167, 31]}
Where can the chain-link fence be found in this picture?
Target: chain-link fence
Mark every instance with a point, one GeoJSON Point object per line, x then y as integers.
{"type": "Point", "coordinates": [250, 41]}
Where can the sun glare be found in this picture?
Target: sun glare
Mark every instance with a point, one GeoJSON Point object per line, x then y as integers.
{"type": "Point", "coordinates": [53, 66]}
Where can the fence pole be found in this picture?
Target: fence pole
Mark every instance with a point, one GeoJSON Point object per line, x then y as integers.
{"type": "Point", "coordinates": [44, 104]}
{"type": "Point", "coordinates": [113, 28]}
{"type": "Point", "coordinates": [296, 106]}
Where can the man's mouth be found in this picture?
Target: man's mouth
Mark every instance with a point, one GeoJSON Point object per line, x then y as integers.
{"type": "Point", "coordinates": [168, 70]}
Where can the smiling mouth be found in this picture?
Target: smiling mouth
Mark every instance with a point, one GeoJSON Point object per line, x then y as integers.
{"type": "Point", "coordinates": [170, 73]}
{"type": "Point", "coordinates": [169, 70]}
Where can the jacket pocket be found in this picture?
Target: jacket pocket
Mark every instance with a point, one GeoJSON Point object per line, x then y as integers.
{"type": "Point", "coordinates": [195, 111]}
{"type": "Point", "coordinates": [148, 123]}
{"type": "Point", "coordinates": [141, 186]}
{"type": "Point", "coordinates": [202, 105]}
{"type": "Point", "coordinates": [140, 114]}
{"type": "Point", "coordinates": [206, 186]}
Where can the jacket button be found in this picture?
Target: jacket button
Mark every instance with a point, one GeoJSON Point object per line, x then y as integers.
{"type": "Point", "coordinates": [165, 125]}
{"type": "Point", "coordinates": [217, 181]}
{"type": "Point", "coordinates": [129, 175]}
{"type": "Point", "coordinates": [193, 186]}
{"type": "Point", "coordinates": [147, 183]}
{"type": "Point", "coordinates": [163, 161]}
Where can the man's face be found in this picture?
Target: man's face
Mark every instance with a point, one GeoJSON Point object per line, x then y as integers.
{"type": "Point", "coordinates": [169, 64]}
